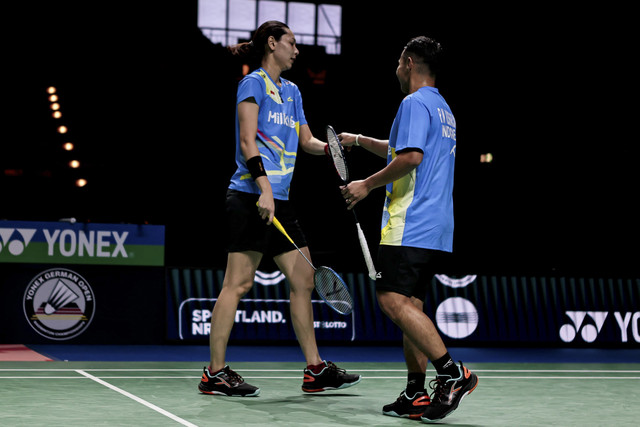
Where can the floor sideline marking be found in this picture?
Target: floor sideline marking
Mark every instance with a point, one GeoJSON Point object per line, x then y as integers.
{"type": "Point", "coordinates": [137, 399]}
{"type": "Point", "coordinates": [527, 377]}
{"type": "Point", "coordinates": [573, 371]}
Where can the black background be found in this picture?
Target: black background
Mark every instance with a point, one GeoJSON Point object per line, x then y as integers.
{"type": "Point", "coordinates": [149, 105]}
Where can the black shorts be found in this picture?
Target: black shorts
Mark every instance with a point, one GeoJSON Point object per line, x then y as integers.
{"type": "Point", "coordinates": [406, 270]}
{"type": "Point", "coordinates": [247, 231]}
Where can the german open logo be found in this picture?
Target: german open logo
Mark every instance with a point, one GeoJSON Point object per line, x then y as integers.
{"type": "Point", "coordinates": [59, 304]}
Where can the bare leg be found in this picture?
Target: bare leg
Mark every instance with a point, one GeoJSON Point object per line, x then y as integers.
{"type": "Point", "coordinates": [300, 276]}
{"type": "Point", "coordinates": [414, 323]}
{"type": "Point", "coordinates": [415, 359]}
{"type": "Point", "coordinates": [238, 280]}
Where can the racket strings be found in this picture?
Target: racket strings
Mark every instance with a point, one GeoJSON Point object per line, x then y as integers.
{"type": "Point", "coordinates": [333, 290]}
{"type": "Point", "coordinates": [337, 154]}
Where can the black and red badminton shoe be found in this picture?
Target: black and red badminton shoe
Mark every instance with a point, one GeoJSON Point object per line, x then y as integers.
{"type": "Point", "coordinates": [226, 382]}
{"type": "Point", "coordinates": [330, 377]}
{"type": "Point", "coordinates": [407, 406]}
{"type": "Point", "coordinates": [448, 392]}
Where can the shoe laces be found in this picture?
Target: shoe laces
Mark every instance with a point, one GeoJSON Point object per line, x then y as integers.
{"type": "Point", "coordinates": [405, 396]}
{"type": "Point", "coordinates": [438, 385]}
{"type": "Point", "coordinates": [233, 376]}
{"type": "Point", "coordinates": [332, 367]}
{"type": "Point", "coordinates": [400, 398]}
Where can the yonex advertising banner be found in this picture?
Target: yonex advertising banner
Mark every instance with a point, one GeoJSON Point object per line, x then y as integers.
{"type": "Point", "coordinates": [557, 311]}
{"type": "Point", "coordinates": [467, 310]}
{"type": "Point", "coordinates": [78, 243]}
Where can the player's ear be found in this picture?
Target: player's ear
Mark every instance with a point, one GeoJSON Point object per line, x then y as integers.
{"type": "Point", "coordinates": [410, 63]}
{"type": "Point", "coordinates": [271, 42]}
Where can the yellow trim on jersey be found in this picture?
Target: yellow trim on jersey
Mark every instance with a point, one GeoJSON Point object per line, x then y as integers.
{"type": "Point", "coordinates": [272, 89]}
{"type": "Point", "coordinates": [279, 145]}
{"type": "Point", "coordinates": [282, 145]}
{"type": "Point", "coordinates": [399, 199]}
{"type": "Point", "coordinates": [284, 169]}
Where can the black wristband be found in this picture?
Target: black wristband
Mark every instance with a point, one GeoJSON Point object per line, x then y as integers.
{"type": "Point", "coordinates": [256, 168]}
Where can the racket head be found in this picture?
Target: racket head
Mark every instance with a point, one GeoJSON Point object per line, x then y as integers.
{"type": "Point", "coordinates": [337, 154]}
{"type": "Point", "coordinates": [333, 290]}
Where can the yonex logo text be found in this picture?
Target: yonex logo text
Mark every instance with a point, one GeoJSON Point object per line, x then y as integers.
{"type": "Point", "coordinates": [628, 323]}
{"type": "Point", "coordinates": [66, 243]}
{"type": "Point", "coordinates": [93, 243]}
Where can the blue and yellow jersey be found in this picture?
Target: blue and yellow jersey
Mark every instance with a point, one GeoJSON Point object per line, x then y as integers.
{"type": "Point", "coordinates": [418, 209]}
{"type": "Point", "coordinates": [279, 119]}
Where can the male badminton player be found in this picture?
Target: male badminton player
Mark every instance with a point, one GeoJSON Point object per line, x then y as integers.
{"type": "Point", "coordinates": [417, 227]}
{"type": "Point", "coordinates": [270, 125]}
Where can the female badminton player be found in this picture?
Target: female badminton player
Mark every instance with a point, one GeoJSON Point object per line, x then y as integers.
{"type": "Point", "coordinates": [270, 126]}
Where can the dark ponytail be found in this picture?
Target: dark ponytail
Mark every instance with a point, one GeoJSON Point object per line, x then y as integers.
{"type": "Point", "coordinates": [256, 48]}
{"type": "Point", "coordinates": [242, 50]}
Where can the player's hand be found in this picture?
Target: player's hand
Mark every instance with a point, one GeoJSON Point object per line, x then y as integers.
{"type": "Point", "coordinates": [354, 192]}
{"type": "Point", "coordinates": [347, 139]}
{"type": "Point", "coordinates": [266, 207]}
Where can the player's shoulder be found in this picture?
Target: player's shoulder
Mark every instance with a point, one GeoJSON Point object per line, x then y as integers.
{"type": "Point", "coordinates": [425, 96]}
{"type": "Point", "coordinates": [425, 93]}
{"type": "Point", "coordinates": [288, 84]}
{"type": "Point", "coordinates": [413, 99]}
{"type": "Point", "coordinates": [256, 76]}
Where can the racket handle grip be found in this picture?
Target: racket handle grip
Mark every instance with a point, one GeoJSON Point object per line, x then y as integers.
{"type": "Point", "coordinates": [365, 251]}
{"type": "Point", "coordinates": [280, 228]}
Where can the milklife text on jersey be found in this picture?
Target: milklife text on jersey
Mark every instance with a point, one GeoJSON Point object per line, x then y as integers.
{"type": "Point", "coordinates": [280, 118]}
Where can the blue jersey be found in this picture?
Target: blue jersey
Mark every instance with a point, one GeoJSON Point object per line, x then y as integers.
{"type": "Point", "coordinates": [280, 116]}
{"type": "Point", "coordinates": [418, 209]}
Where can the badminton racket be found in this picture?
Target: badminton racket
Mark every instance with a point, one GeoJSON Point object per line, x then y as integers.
{"type": "Point", "coordinates": [337, 154]}
{"type": "Point", "coordinates": [329, 285]}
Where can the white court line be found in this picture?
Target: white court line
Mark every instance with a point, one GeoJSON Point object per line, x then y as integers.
{"type": "Point", "coordinates": [572, 371]}
{"type": "Point", "coordinates": [508, 377]}
{"type": "Point", "coordinates": [252, 377]}
{"type": "Point", "coordinates": [41, 378]}
{"type": "Point", "coordinates": [366, 378]}
{"type": "Point", "coordinates": [482, 377]}
{"type": "Point", "coordinates": [137, 399]}
{"type": "Point", "coordinates": [528, 377]}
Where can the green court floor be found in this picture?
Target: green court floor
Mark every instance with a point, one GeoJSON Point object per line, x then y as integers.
{"type": "Point", "coordinates": [165, 394]}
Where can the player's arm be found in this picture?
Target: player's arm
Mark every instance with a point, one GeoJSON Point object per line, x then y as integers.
{"type": "Point", "coordinates": [403, 164]}
{"type": "Point", "coordinates": [378, 147]}
{"type": "Point", "coordinates": [309, 143]}
{"type": "Point", "coordinates": [248, 121]}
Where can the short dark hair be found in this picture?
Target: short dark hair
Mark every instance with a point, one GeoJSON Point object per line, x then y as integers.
{"type": "Point", "coordinates": [426, 50]}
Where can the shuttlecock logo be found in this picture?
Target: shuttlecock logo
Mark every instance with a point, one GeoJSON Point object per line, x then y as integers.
{"type": "Point", "coordinates": [60, 297]}
{"type": "Point", "coordinates": [59, 304]}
